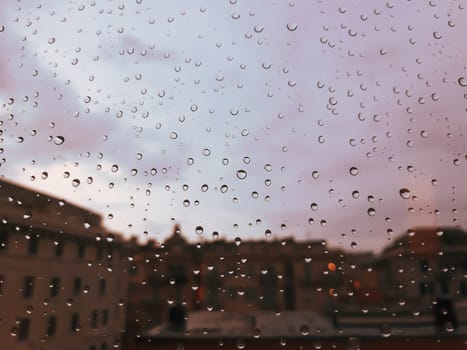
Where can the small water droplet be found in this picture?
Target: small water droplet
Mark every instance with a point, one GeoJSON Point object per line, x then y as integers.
{"type": "Point", "coordinates": [59, 140]}
{"type": "Point", "coordinates": [353, 171]}
{"type": "Point", "coordinates": [292, 26]}
{"type": "Point", "coordinates": [386, 331]}
{"type": "Point", "coordinates": [304, 329]}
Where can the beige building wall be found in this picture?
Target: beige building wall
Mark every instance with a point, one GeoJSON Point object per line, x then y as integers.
{"type": "Point", "coordinates": [60, 288]}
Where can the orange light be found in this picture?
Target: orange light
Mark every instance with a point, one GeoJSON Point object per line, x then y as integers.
{"type": "Point", "coordinates": [331, 266]}
{"type": "Point", "coordinates": [357, 284]}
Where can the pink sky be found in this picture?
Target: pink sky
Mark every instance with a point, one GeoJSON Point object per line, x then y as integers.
{"type": "Point", "coordinates": [305, 86]}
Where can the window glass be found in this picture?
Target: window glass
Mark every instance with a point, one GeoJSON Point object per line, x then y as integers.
{"type": "Point", "coordinates": [234, 172]}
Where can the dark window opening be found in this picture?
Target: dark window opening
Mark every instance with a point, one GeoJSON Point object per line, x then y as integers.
{"type": "Point", "coordinates": [102, 286]}
{"type": "Point", "coordinates": [2, 279]}
{"type": "Point", "coordinates": [51, 326]}
{"type": "Point", "coordinates": [100, 252]}
{"type": "Point", "coordinates": [3, 239]}
{"type": "Point", "coordinates": [33, 244]}
{"type": "Point", "coordinates": [94, 319]}
{"type": "Point", "coordinates": [424, 265]}
{"type": "Point", "coordinates": [75, 322]}
{"type": "Point", "coordinates": [54, 286]}
{"type": "Point", "coordinates": [105, 316]}
{"type": "Point", "coordinates": [77, 285]}
{"type": "Point", "coordinates": [462, 289]}
{"type": "Point", "coordinates": [28, 287]}
{"type": "Point", "coordinates": [23, 328]}
{"type": "Point", "coordinates": [81, 250]}
{"type": "Point", "coordinates": [58, 249]}
{"type": "Point", "coordinates": [426, 288]}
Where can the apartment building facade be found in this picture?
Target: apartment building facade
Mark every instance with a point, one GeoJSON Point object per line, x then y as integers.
{"type": "Point", "coordinates": [63, 276]}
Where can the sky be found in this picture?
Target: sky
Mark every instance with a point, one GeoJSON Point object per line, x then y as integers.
{"type": "Point", "coordinates": [336, 120]}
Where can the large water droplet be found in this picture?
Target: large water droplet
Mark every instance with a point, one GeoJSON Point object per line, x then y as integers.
{"type": "Point", "coordinates": [241, 174]}
{"type": "Point", "coordinates": [59, 140]}
{"type": "Point", "coordinates": [404, 193]}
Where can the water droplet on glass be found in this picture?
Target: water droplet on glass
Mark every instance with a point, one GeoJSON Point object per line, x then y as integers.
{"type": "Point", "coordinates": [14, 331]}
{"type": "Point", "coordinates": [241, 174]}
{"type": "Point", "coordinates": [292, 26]}
{"type": "Point", "coordinates": [449, 327]}
{"type": "Point", "coordinates": [75, 182]}
{"type": "Point", "coordinates": [353, 171]}
{"type": "Point", "coordinates": [199, 230]}
{"type": "Point", "coordinates": [386, 330]}
{"type": "Point", "coordinates": [404, 193]}
{"type": "Point", "coordinates": [304, 329]}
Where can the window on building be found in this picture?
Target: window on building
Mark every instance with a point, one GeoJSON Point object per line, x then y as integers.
{"type": "Point", "coordinates": [23, 328]}
{"type": "Point", "coordinates": [426, 289]}
{"type": "Point", "coordinates": [2, 285]}
{"type": "Point", "coordinates": [81, 247]}
{"type": "Point", "coordinates": [3, 238]}
{"type": "Point", "coordinates": [444, 287]}
{"type": "Point", "coordinates": [307, 272]}
{"type": "Point", "coordinates": [102, 286]}
{"type": "Point", "coordinates": [424, 267]}
{"type": "Point", "coordinates": [54, 286]}
{"type": "Point", "coordinates": [94, 319]}
{"type": "Point", "coordinates": [28, 287]}
{"type": "Point", "coordinates": [75, 324]}
{"type": "Point", "coordinates": [99, 252]}
{"type": "Point", "coordinates": [58, 248]}
{"type": "Point", "coordinates": [51, 326]}
{"type": "Point", "coordinates": [77, 285]}
{"type": "Point", "coordinates": [105, 317]}
{"type": "Point", "coordinates": [33, 244]}
{"type": "Point", "coordinates": [462, 289]}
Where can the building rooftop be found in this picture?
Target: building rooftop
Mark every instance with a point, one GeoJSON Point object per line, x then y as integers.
{"type": "Point", "coordinates": [302, 324]}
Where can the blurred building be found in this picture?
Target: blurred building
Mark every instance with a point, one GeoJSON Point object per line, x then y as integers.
{"type": "Point", "coordinates": [236, 277]}
{"type": "Point", "coordinates": [294, 330]}
{"type": "Point", "coordinates": [424, 264]}
{"type": "Point", "coordinates": [63, 276]}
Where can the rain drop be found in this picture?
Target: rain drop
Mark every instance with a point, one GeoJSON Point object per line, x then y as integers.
{"type": "Point", "coordinates": [404, 193]}
{"type": "Point", "coordinates": [292, 26]}
{"type": "Point", "coordinates": [241, 174]}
